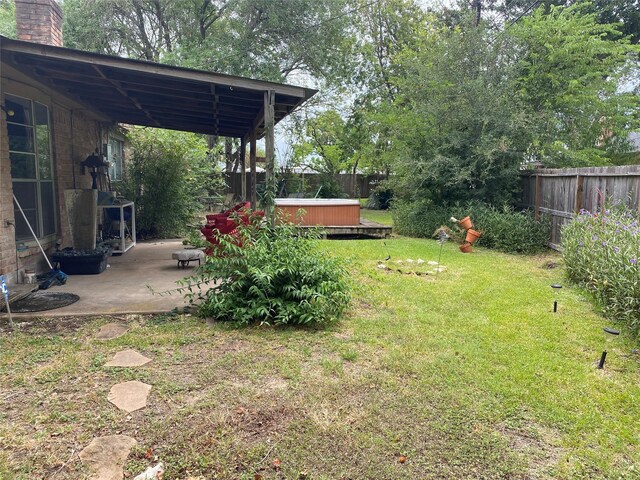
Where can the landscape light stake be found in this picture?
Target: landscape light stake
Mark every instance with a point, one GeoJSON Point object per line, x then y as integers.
{"type": "Point", "coordinates": [387, 249]}
{"type": "Point", "coordinates": [556, 288]}
{"type": "Point", "coordinates": [610, 335]}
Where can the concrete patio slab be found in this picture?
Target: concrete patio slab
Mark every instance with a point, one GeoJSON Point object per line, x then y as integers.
{"type": "Point", "coordinates": [127, 286]}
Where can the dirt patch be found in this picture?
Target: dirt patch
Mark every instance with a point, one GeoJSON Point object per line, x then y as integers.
{"type": "Point", "coordinates": [535, 446]}
{"type": "Point", "coordinates": [62, 326]}
{"type": "Point", "coordinates": [344, 335]}
{"type": "Point", "coordinates": [550, 265]}
{"type": "Point", "coordinates": [258, 423]}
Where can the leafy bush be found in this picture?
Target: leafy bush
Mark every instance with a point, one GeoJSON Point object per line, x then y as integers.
{"type": "Point", "coordinates": [601, 252]}
{"type": "Point", "coordinates": [419, 219]}
{"type": "Point", "coordinates": [509, 230]}
{"type": "Point", "coordinates": [271, 275]}
{"type": "Point", "coordinates": [504, 229]}
{"type": "Point", "coordinates": [329, 187]}
{"type": "Point", "coordinates": [164, 175]}
{"type": "Point", "coordinates": [380, 199]}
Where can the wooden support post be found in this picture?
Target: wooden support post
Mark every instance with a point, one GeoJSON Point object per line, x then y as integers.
{"type": "Point", "coordinates": [269, 146]}
{"type": "Point", "coordinates": [579, 193]}
{"type": "Point", "coordinates": [243, 168]}
{"type": "Point", "coordinates": [538, 201]}
{"type": "Point", "coordinates": [252, 163]}
{"type": "Point", "coordinates": [228, 155]}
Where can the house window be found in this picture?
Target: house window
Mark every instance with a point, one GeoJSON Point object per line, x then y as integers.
{"type": "Point", "coordinates": [29, 130]}
{"type": "Point", "coordinates": [115, 149]}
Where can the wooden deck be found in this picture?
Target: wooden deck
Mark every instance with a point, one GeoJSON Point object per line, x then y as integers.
{"type": "Point", "coordinates": [366, 228]}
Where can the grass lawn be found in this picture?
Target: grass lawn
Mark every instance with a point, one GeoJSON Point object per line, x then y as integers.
{"type": "Point", "coordinates": [467, 375]}
{"type": "Point", "coordinates": [379, 216]}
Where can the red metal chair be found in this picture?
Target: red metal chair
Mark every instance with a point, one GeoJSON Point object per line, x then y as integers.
{"type": "Point", "coordinates": [226, 223]}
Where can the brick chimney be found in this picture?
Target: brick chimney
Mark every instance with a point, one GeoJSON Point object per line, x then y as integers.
{"type": "Point", "coordinates": [39, 21]}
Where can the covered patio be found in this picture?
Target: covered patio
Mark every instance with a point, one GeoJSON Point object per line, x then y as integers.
{"type": "Point", "coordinates": [134, 283]}
{"type": "Point", "coordinates": [111, 90]}
{"type": "Point", "coordinates": [136, 92]}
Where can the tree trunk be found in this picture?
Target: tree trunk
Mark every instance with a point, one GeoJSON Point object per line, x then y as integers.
{"type": "Point", "coordinates": [476, 6]}
{"type": "Point", "coordinates": [354, 181]}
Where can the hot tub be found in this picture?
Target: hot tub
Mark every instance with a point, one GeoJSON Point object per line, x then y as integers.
{"type": "Point", "coordinates": [320, 211]}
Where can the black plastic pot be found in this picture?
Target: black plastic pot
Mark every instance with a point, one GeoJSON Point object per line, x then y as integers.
{"type": "Point", "coordinates": [82, 262]}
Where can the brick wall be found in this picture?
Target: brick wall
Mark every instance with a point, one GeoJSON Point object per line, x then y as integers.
{"type": "Point", "coordinates": [39, 21]}
{"type": "Point", "coordinates": [74, 136]}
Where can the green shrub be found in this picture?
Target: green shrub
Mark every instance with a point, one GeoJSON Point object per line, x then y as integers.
{"type": "Point", "coordinates": [165, 175]}
{"type": "Point", "coordinates": [504, 229]}
{"type": "Point", "coordinates": [509, 230]}
{"type": "Point", "coordinates": [419, 219]}
{"type": "Point", "coordinates": [601, 252]}
{"type": "Point", "coordinates": [278, 276]}
{"type": "Point", "coordinates": [380, 198]}
{"type": "Point", "coordinates": [329, 187]}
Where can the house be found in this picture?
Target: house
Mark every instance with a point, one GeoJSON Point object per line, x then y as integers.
{"type": "Point", "coordinates": [59, 105]}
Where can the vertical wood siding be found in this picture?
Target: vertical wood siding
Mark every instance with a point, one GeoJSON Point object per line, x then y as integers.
{"type": "Point", "coordinates": [562, 193]}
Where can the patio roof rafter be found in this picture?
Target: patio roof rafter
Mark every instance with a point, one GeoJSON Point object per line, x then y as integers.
{"type": "Point", "coordinates": [124, 94]}
{"type": "Point", "coordinates": [156, 95]}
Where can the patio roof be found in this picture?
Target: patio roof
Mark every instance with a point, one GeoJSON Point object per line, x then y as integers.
{"type": "Point", "coordinates": [155, 95]}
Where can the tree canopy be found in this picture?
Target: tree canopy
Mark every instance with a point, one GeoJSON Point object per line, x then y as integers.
{"type": "Point", "coordinates": [450, 100]}
{"type": "Point", "coordinates": [266, 39]}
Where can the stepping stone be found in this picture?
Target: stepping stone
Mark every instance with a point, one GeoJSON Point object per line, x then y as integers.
{"type": "Point", "coordinates": [127, 358]}
{"type": "Point", "coordinates": [111, 330]}
{"type": "Point", "coordinates": [105, 456]}
{"type": "Point", "coordinates": [129, 396]}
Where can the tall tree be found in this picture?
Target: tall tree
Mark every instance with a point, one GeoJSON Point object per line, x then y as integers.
{"type": "Point", "coordinates": [457, 132]}
{"type": "Point", "coordinates": [8, 18]}
{"type": "Point", "coordinates": [267, 39]}
{"type": "Point", "coordinates": [320, 144]}
{"type": "Point", "coordinates": [626, 13]}
{"type": "Point", "coordinates": [144, 29]}
{"type": "Point", "coordinates": [569, 70]}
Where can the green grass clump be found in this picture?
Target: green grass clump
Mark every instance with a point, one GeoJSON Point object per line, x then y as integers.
{"type": "Point", "coordinates": [601, 252]}
{"type": "Point", "coordinates": [382, 217]}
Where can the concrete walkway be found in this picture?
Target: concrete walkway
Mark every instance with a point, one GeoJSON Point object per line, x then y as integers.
{"type": "Point", "coordinates": [123, 287]}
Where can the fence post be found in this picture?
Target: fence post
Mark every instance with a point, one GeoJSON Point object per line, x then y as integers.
{"type": "Point", "coordinates": [538, 201]}
{"type": "Point", "coordinates": [579, 192]}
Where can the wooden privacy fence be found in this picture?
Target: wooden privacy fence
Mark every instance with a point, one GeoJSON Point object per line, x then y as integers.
{"type": "Point", "coordinates": [562, 193]}
{"type": "Point", "coordinates": [310, 182]}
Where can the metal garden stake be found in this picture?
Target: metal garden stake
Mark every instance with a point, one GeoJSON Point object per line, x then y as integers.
{"type": "Point", "coordinates": [610, 334]}
{"type": "Point", "coordinates": [556, 288]}
{"type": "Point", "coordinates": [5, 292]}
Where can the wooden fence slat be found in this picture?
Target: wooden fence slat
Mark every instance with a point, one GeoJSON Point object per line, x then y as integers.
{"type": "Point", "coordinates": [364, 183]}
{"type": "Point", "coordinates": [556, 213]}
{"type": "Point", "coordinates": [562, 193]}
{"type": "Point", "coordinates": [538, 194]}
